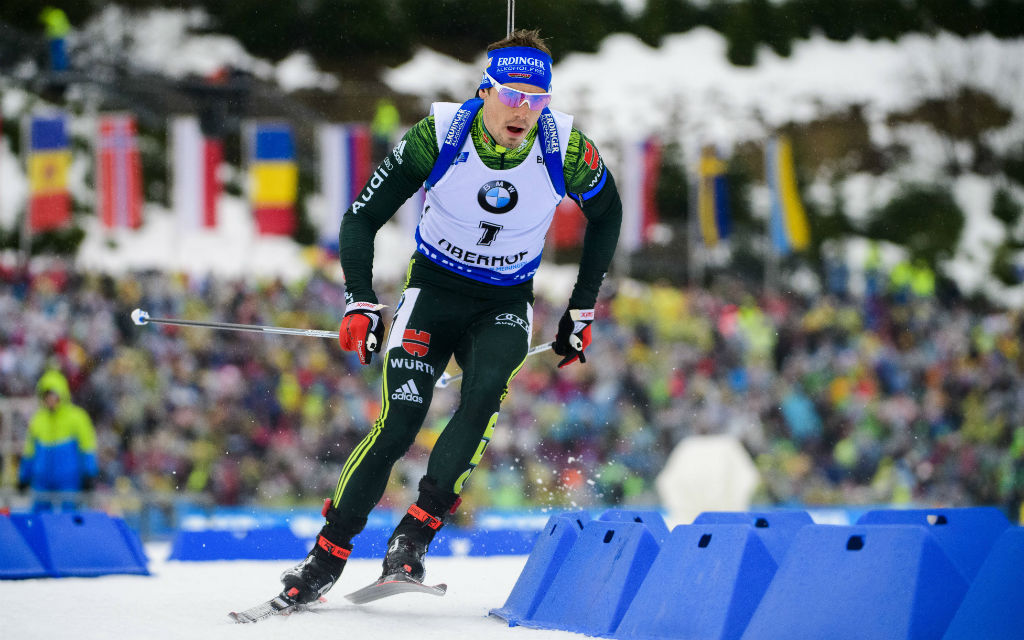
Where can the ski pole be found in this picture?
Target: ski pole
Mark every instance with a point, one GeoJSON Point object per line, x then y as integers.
{"type": "Point", "coordinates": [141, 318]}
{"type": "Point", "coordinates": [447, 379]}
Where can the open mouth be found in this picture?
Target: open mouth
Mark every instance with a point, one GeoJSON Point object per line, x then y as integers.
{"type": "Point", "coordinates": [515, 130]}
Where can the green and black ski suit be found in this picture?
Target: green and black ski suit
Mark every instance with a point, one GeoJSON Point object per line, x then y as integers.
{"type": "Point", "coordinates": [486, 326]}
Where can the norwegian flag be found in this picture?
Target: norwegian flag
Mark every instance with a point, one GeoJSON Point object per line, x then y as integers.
{"type": "Point", "coordinates": [119, 172]}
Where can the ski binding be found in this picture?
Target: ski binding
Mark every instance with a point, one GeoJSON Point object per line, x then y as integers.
{"type": "Point", "coordinates": [281, 605]}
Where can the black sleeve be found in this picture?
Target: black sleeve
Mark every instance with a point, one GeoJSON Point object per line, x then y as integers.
{"type": "Point", "coordinates": [590, 184]}
{"type": "Point", "coordinates": [396, 178]}
{"type": "Point", "coordinates": [604, 217]}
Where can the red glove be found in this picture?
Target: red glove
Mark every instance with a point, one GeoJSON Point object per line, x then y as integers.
{"type": "Point", "coordinates": [362, 330]}
{"type": "Point", "coordinates": [573, 335]}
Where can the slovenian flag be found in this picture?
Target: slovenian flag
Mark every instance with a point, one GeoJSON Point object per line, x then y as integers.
{"type": "Point", "coordinates": [344, 170]}
{"type": "Point", "coordinates": [195, 161]}
{"type": "Point", "coordinates": [712, 198]}
{"type": "Point", "coordinates": [273, 177]}
{"type": "Point", "coordinates": [48, 159]}
{"type": "Point", "coordinates": [789, 228]}
{"type": "Point", "coordinates": [641, 167]}
{"type": "Point", "coordinates": [119, 172]}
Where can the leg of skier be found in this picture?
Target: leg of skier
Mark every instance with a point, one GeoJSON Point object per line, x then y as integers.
{"type": "Point", "coordinates": [490, 353]}
{"type": "Point", "coordinates": [420, 343]}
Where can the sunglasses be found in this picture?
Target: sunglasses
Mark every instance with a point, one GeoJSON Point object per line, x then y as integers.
{"type": "Point", "coordinates": [515, 98]}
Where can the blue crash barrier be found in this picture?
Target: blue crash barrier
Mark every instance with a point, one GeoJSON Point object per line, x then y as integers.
{"type": "Point", "coordinates": [548, 555]}
{"type": "Point", "coordinates": [17, 560]}
{"type": "Point", "coordinates": [966, 534]}
{"type": "Point", "coordinates": [595, 585]}
{"type": "Point", "coordinates": [776, 529]}
{"type": "Point", "coordinates": [705, 583]}
{"type": "Point", "coordinates": [82, 544]}
{"type": "Point", "coordinates": [877, 582]}
{"type": "Point", "coordinates": [993, 607]}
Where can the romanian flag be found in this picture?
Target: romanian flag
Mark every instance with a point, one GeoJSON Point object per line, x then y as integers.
{"type": "Point", "coordinates": [119, 172]}
{"type": "Point", "coordinates": [273, 178]}
{"type": "Point", "coordinates": [345, 167]}
{"type": "Point", "coordinates": [195, 160]}
{"type": "Point", "coordinates": [642, 166]}
{"type": "Point", "coordinates": [712, 198]}
{"type": "Point", "coordinates": [789, 228]}
{"type": "Point", "coordinates": [48, 158]}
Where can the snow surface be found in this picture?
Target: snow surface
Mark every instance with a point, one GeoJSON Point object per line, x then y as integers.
{"type": "Point", "coordinates": [190, 600]}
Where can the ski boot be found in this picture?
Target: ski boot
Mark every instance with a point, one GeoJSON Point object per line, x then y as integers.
{"type": "Point", "coordinates": [313, 577]}
{"type": "Point", "coordinates": [413, 535]}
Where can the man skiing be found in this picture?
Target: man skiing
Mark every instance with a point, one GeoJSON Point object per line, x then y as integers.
{"type": "Point", "coordinates": [494, 168]}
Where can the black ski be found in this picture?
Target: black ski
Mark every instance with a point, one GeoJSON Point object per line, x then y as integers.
{"type": "Point", "coordinates": [390, 585]}
{"type": "Point", "coordinates": [282, 605]}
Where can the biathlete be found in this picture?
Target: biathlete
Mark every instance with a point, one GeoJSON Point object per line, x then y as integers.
{"type": "Point", "coordinates": [494, 168]}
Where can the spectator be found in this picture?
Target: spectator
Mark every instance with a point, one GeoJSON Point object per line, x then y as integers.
{"type": "Point", "coordinates": [60, 448]}
{"type": "Point", "coordinates": [57, 27]}
{"type": "Point", "coordinates": [384, 128]}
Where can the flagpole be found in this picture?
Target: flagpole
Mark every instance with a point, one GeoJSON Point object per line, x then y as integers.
{"type": "Point", "coordinates": [26, 231]}
{"type": "Point", "coordinates": [771, 253]}
{"type": "Point", "coordinates": [694, 273]}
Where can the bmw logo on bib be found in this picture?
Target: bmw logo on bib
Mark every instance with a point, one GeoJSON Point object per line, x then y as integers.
{"type": "Point", "coordinates": [497, 196]}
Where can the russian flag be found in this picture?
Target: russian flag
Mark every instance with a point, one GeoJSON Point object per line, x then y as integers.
{"type": "Point", "coordinates": [195, 160]}
{"type": "Point", "coordinates": [788, 224]}
{"type": "Point", "coordinates": [119, 172]}
{"type": "Point", "coordinates": [273, 177]}
{"type": "Point", "coordinates": [712, 198]}
{"type": "Point", "coordinates": [641, 168]}
{"type": "Point", "coordinates": [48, 159]}
{"type": "Point", "coordinates": [344, 170]}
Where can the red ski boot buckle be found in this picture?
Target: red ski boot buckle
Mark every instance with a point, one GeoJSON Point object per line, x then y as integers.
{"type": "Point", "coordinates": [424, 517]}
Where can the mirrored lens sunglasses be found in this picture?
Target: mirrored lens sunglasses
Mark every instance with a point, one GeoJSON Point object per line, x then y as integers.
{"type": "Point", "coordinates": [515, 98]}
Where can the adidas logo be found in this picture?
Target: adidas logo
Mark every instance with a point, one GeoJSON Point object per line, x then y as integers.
{"type": "Point", "coordinates": [408, 392]}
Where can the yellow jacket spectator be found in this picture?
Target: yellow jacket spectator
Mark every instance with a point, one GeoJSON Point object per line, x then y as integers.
{"type": "Point", "coordinates": [60, 448]}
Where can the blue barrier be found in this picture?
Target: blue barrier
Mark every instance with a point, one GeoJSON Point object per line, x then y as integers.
{"type": "Point", "coordinates": [548, 555]}
{"type": "Point", "coordinates": [776, 529]}
{"type": "Point", "coordinates": [878, 582]}
{"type": "Point", "coordinates": [279, 543]}
{"type": "Point", "coordinates": [598, 580]}
{"type": "Point", "coordinates": [16, 557]}
{"type": "Point", "coordinates": [705, 583]}
{"type": "Point", "coordinates": [966, 534]}
{"type": "Point", "coordinates": [84, 544]}
{"type": "Point", "coordinates": [271, 543]}
{"type": "Point", "coordinates": [654, 520]}
{"type": "Point", "coordinates": [993, 607]}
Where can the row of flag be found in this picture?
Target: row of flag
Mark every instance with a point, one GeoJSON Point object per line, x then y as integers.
{"type": "Point", "coordinates": [638, 179]}
{"type": "Point", "coordinates": [345, 166]}
{"type": "Point", "coordinates": [788, 225]}
{"type": "Point", "coordinates": [195, 160]}
{"type": "Point", "coordinates": [118, 172]}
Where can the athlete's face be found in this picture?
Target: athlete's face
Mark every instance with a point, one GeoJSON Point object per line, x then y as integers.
{"type": "Point", "coordinates": [508, 125]}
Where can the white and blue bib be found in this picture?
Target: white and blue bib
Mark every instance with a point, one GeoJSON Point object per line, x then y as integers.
{"type": "Point", "coordinates": [490, 224]}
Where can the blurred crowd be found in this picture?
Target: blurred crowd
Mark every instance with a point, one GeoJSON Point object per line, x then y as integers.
{"type": "Point", "coordinates": [894, 397]}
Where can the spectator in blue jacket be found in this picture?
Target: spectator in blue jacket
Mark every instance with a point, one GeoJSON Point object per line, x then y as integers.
{"type": "Point", "coordinates": [60, 448]}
